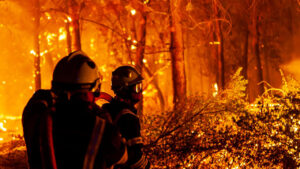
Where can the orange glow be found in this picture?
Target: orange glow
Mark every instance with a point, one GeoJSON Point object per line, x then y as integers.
{"type": "Point", "coordinates": [2, 127]}
{"type": "Point", "coordinates": [133, 12]}
{"type": "Point", "coordinates": [111, 37]}
{"type": "Point", "coordinates": [44, 52]}
{"type": "Point", "coordinates": [33, 52]}
{"type": "Point", "coordinates": [216, 90]}
{"type": "Point", "coordinates": [69, 19]}
{"type": "Point", "coordinates": [48, 15]}
{"type": "Point", "coordinates": [133, 47]}
{"type": "Point", "coordinates": [62, 33]}
{"type": "Point", "coordinates": [215, 43]}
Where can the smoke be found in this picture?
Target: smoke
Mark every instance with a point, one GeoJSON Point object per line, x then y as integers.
{"type": "Point", "coordinates": [293, 68]}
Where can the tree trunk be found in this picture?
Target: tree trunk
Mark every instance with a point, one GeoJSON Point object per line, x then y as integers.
{"type": "Point", "coordinates": [245, 59]}
{"type": "Point", "coordinates": [257, 52]}
{"type": "Point", "coordinates": [141, 42]}
{"type": "Point", "coordinates": [74, 12]}
{"type": "Point", "coordinates": [255, 70]}
{"type": "Point", "coordinates": [67, 26]}
{"type": "Point", "coordinates": [219, 47]}
{"type": "Point", "coordinates": [37, 66]}
{"type": "Point", "coordinates": [69, 40]}
{"type": "Point", "coordinates": [177, 55]}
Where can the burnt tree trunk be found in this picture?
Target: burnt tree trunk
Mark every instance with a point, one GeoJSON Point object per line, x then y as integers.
{"type": "Point", "coordinates": [177, 55]}
{"type": "Point", "coordinates": [74, 26]}
{"type": "Point", "coordinates": [69, 40]}
{"type": "Point", "coordinates": [220, 76]}
{"type": "Point", "coordinates": [37, 56]}
{"type": "Point", "coordinates": [255, 73]}
{"type": "Point", "coordinates": [67, 26]}
{"type": "Point", "coordinates": [245, 55]}
{"type": "Point", "coordinates": [255, 44]}
{"type": "Point", "coordinates": [141, 42]}
{"type": "Point", "coordinates": [245, 58]}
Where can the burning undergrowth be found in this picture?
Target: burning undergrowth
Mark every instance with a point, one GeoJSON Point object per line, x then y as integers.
{"type": "Point", "coordinates": [226, 131]}
{"type": "Point", "coordinates": [13, 154]}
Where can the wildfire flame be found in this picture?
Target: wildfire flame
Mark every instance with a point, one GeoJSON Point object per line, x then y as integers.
{"type": "Point", "coordinates": [2, 127]}
{"type": "Point", "coordinates": [216, 90]}
{"type": "Point", "coordinates": [215, 43]}
{"type": "Point", "coordinates": [133, 12]}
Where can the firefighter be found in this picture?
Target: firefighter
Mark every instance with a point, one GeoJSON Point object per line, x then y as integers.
{"type": "Point", "coordinates": [127, 86]}
{"type": "Point", "coordinates": [64, 128]}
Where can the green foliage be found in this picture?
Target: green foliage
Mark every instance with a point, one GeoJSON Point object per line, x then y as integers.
{"type": "Point", "coordinates": [228, 132]}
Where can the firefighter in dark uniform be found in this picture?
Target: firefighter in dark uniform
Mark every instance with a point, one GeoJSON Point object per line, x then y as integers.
{"type": "Point", "coordinates": [64, 128]}
{"type": "Point", "coordinates": [127, 85]}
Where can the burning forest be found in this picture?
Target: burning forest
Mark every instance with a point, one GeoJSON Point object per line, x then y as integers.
{"type": "Point", "coordinates": [221, 78]}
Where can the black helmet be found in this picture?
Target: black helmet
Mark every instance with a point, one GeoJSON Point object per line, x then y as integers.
{"type": "Point", "coordinates": [123, 77]}
{"type": "Point", "coordinates": [76, 71]}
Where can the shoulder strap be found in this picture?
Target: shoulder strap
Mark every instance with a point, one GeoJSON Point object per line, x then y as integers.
{"type": "Point", "coordinates": [94, 144]}
{"type": "Point", "coordinates": [46, 127]}
{"type": "Point", "coordinates": [46, 141]}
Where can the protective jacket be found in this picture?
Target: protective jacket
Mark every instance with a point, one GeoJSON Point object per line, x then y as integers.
{"type": "Point", "coordinates": [80, 135]}
{"type": "Point", "coordinates": [125, 117]}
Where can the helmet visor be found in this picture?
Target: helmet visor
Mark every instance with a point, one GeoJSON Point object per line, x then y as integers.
{"type": "Point", "coordinates": [137, 88]}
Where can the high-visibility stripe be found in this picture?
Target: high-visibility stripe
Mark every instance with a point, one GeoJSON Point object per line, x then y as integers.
{"type": "Point", "coordinates": [141, 164]}
{"type": "Point", "coordinates": [94, 143]}
{"type": "Point", "coordinates": [136, 140]}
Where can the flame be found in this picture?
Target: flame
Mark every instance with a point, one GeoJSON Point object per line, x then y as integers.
{"type": "Point", "coordinates": [216, 90]}
{"type": "Point", "coordinates": [10, 117]}
{"type": "Point", "coordinates": [103, 68]}
{"type": "Point", "coordinates": [133, 11]}
{"type": "Point", "coordinates": [69, 19]}
{"type": "Point", "coordinates": [33, 52]}
{"type": "Point", "coordinates": [62, 36]}
{"type": "Point", "coordinates": [133, 47]}
{"type": "Point", "coordinates": [2, 127]}
{"type": "Point", "coordinates": [215, 43]}
{"type": "Point", "coordinates": [295, 128]}
{"type": "Point", "coordinates": [44, 52]}
{"type": "Point", "coordinates": [48, 15]}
